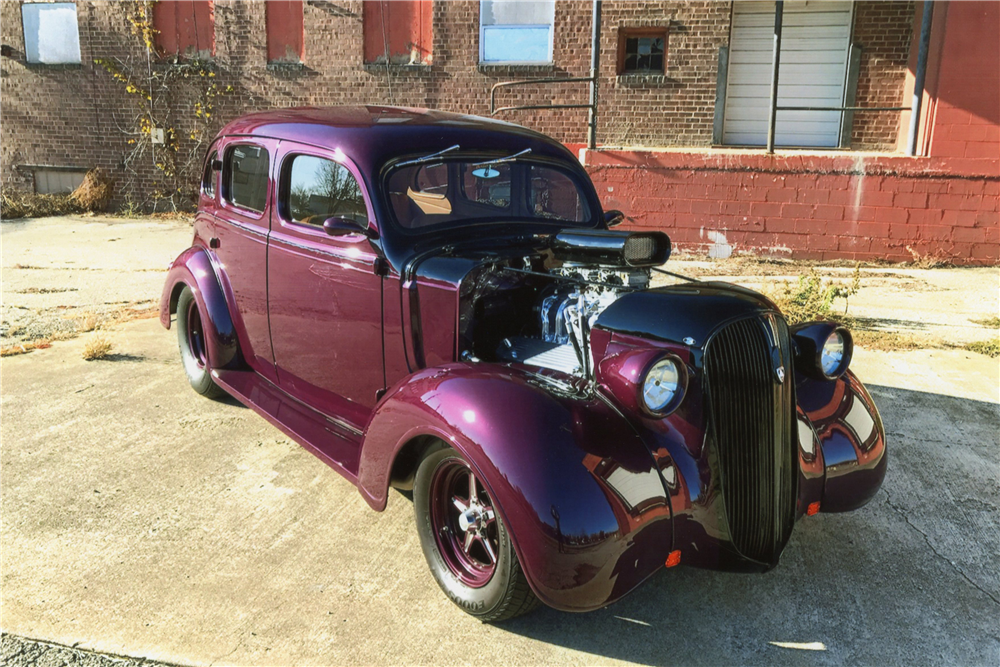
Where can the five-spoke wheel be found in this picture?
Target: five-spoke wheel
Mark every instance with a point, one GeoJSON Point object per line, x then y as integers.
{"type": "Point", "coordinates": [464, 538]}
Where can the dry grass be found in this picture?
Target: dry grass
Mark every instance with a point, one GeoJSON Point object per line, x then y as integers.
{"type": "Point", "coordinates": [97, 347]}
{"type": "Point", "coordinates": [991, 347]}
{"type": "Point", "coordinates": [87, 322]}
{"type": "Point", "coordinates": [18, 204]}
{"type": "Point", "coordinates": [812, 298]}
{"type": "Point", "coordinates": [991, 322]}
{"type": "Point", "coordinates": [32, 345]}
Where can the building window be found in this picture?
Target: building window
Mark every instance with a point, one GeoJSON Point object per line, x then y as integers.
{"type": "Point", "coordinates": [51, 33]}
{"type": "Point", "coordinates": [517, 32]}
{"type": "Point", "coordinates": [57, 181]}
{"type": "Point", "coordinates": [284, 31]}
{"type": "Point", "coordinates": [642, 51]}
{"type": "Point", "coordinates": [185, 28]}
{"type": "Point", "coordinates": [398, 32]}
{"type": "Point", "coordinates": [815, 44]}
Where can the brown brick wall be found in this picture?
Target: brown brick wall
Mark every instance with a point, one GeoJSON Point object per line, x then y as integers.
{"type": "Point", "coordinates": [884, 30]}
{"type": "Point", "coordinates": [78, 116]}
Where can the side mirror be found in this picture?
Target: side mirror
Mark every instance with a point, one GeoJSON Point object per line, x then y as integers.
{"type": "Point", "coordinates": [217, 165]}
{"type": "Point", "coordinates": [613, 218]}
{"type": "Point", "coordinates": [341, 226]}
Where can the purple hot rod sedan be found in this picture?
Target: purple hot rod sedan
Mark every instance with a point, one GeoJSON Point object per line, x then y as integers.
{"type": "Point", "coordinates": [435, 302]}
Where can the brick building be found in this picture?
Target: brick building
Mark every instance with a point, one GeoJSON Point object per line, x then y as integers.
{"type": "Point", "coordinates": [682, 114]}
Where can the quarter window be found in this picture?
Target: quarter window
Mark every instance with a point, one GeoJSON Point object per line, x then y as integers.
{"type": "Point", "coordinates": [208, 179]}
{"type": "Point", "coordinates": [319, 189]}
{"type": "Point", "coordinates": [554, 196]}
{"type": "Point", "coordinates": [246, 176]}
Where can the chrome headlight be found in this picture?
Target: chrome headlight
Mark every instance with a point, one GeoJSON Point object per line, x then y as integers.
{"type": "Point", "coordinates": [822, 349]}
{"type": "Point", "coordinates": [663, 386]}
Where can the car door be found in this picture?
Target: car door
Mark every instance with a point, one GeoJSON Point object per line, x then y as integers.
{"type": "Point", "coordinates": [240, 242]}
{"type": "Point", "coordinates": [325, 299]}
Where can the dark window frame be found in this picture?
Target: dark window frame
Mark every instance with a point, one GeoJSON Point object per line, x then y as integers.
{"type": "Point", "coordinates": [624, 34]}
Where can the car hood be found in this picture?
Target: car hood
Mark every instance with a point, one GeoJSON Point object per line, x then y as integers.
{"type": "Point", "coordinates": [683, 314]}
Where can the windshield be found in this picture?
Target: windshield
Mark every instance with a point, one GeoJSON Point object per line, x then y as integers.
{"type": "Point", "coordinates": [468, 191]}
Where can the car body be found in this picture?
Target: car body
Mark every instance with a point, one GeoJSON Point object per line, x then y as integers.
{"type": "Point", "coordinates": [434, 302]}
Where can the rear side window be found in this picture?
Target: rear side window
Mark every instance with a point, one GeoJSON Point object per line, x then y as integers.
{"type": "Point", "coordinates": [246, 176]}
{"type": "Point", "coordinates": [208, 178]}
{"type": "Point", "coordinates": [319, 189]}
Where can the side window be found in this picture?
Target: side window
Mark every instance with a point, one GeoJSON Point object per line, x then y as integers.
{"type": "Point", "coordinates": [246, 176]}
{"type": "Point", "coordinates": [319, 189]}
{"type": "Point", "coordinates": [554, 195]}
{"type": "Point", "coordinates": [208, 178]}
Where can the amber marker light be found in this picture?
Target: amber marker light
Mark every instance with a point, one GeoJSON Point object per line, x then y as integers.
{"type": "Point", "coordinates": [674, 558]}
{"type": "Point", "coordinates": [813, 509]}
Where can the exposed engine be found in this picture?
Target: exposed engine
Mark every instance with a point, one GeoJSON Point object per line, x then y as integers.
{"type": "Point", "coordinates": [566, 313]}
{"type": "Point", "coordinates": [538, 310]}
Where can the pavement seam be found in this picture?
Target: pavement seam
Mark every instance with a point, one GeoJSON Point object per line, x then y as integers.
{"type": "Point", "coordinates": [930, 544]}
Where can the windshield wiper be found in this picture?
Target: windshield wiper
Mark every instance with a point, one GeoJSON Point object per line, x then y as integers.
{"type": "Point", "coordinates": [509, 158]}
{"type": "Point", "coordinates": [428, 158]}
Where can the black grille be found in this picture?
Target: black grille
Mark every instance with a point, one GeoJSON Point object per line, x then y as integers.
{"type": "Point", "coordinates": [752, 417]}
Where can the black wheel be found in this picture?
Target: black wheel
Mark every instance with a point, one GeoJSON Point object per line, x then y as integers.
{"type": "Point", "coordinates": [191, 339]}
{"type": "Point", "coordinates": [465, 542]}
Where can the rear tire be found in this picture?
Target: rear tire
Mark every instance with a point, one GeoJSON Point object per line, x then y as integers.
{"type": "Point", "coordinates": [465, 541]}
{"type": "Point", "coordinates": [193, 343]}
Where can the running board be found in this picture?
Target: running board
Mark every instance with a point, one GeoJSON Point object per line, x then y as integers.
{"type": "Point", "coordinates": [334, 442]}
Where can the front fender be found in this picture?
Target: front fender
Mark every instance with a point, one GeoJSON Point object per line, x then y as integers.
{"type": "Point", "coordinates": [194, 268]}
{"type": "Point", "coordinates": [577, 488]}
{"type": "Point", "coordinates": [852, 437]}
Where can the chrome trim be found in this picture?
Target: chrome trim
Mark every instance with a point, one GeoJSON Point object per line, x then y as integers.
{"type": "Point", "coordinates": [243, 226]}
{"type": "Point", "coordinates": [320, 251]}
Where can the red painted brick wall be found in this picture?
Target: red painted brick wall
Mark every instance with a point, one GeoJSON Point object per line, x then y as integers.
{"type": "Point", "coordinates": [808, 206]}
{"type": "Point", "coordinates": [966, 110]}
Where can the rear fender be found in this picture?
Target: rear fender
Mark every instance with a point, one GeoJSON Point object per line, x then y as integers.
{"type": "Point", "coordinates": [579, 491]}
{"type": "Point", "coordinates": [850, 432]}
{"type": "Point", "coordinates": [195, 269]}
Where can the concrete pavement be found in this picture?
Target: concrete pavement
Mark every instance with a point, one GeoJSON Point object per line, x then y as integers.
{"type": "Point", "coordinates": [141, 519]}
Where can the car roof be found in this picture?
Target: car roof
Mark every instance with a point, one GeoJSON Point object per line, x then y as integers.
{"type": "Point", "coordinates": [371, 135]}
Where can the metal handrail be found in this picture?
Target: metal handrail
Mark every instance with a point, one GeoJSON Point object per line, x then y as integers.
{"type": "Point", "coordinates": [524, 82]}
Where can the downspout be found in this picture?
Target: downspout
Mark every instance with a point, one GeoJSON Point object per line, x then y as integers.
{"type": "Point", "coordinates": [595, 67]}
{"type": "Point", "coordinates": [779, 8]}
{"type": "Point", "coordinates": [918, 81]}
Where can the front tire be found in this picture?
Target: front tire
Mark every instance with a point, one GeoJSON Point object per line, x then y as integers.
{"type": "Point", "coordinates": [465, 541]}
{"type": "Point", "coordinates": [193, 343]}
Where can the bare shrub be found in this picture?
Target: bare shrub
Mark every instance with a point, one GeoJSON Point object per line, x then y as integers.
{"type": "Point", "coordinates": [95, 192]}
{"type": "Point", "coordinates": [97, 347]}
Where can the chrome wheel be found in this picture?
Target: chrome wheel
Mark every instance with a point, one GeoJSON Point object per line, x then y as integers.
{"type": "Point", "coordinates": [464, 523]}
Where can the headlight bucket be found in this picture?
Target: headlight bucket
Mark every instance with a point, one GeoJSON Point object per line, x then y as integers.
{"type": "Point", "coordinates": [624, 375]}
{"type": "Point", "coordinates": [812, 340]}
